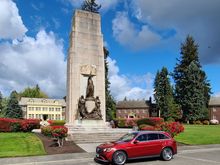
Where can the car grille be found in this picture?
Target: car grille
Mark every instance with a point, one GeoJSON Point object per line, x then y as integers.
{"type": "Point", "coordinates": [99, 150]}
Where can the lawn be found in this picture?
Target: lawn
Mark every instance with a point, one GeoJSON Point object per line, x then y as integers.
{"type": "Point", "coordinates": [20, 144]}
{"type": "Point", "coordinates": [200, 134]}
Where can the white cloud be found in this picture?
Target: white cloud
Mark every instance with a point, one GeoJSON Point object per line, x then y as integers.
{"type": "Point", "coordinates": [199, 18]}
{"type": "Point", "coordinates": [127, 86]}
{"type": "Point", "coordinates": [11, 25]}
{"type": "Point", "coordinates": [127, 34]}
{"type": "Point", "coordinates": [33, 61]}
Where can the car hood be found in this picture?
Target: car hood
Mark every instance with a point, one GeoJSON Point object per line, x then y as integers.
{"type": "Point", "coordinates": [110, 144]}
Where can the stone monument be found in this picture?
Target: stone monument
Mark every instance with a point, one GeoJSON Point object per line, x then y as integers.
{"type": "Point", "coordinates": [86, 70]}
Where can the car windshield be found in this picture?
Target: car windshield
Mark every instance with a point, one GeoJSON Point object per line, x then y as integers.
{"type": "Point", "coordinates": [127, 137]}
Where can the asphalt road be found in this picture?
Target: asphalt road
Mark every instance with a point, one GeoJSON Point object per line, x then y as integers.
{"type": "Point", "coordinates": [189, 155]}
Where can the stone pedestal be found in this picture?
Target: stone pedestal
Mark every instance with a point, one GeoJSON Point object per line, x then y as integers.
{"type": "Point", "coordinates": [85, 58]}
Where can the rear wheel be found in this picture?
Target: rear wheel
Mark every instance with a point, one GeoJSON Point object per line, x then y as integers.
{"type": "Point", "coordinates": [119, 158]}
{"type": "Point", "coordinates": [167, 154]}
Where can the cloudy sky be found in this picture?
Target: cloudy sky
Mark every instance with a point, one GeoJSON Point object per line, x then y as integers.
{"type": "Point", "coordinates": [141, 35]}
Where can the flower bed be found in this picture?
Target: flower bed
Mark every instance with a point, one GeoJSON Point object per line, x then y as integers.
{"type": "Point", "coordinates": [57, 132]}
{"type": "Point", "coordinates": [18, 125]}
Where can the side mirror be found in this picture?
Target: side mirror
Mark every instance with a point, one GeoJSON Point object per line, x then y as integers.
{"type": "Point", "coordinates": [136, 142]}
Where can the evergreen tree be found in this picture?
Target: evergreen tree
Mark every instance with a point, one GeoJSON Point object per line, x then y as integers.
{"type": "Point", "coordinates": [34, 92]}
{"type": "Point", "coordinates": [189, 54]}
{"type": "Point", "coordinates": [164, 96]}
{"type": "Point", "coordinates": [13, 109]}
{"type": "Point", "coordinates": [1, 106]}
{"type": "Point", "coordinates": [194, 96]}
{"type": "Point", "coordinates": [110, 103]}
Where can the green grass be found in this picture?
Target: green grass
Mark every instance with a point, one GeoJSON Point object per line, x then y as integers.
{"type": "Point", "coordinates": [200, 134]}
{"type": "Point", "coordinates": [20, 144]}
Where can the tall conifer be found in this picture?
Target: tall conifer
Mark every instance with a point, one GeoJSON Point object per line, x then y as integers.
{"type": "Point", "coordinates": [184, 88]}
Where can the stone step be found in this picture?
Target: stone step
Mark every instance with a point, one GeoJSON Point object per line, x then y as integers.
{"type": "Point", "coordinates": [95, 137]}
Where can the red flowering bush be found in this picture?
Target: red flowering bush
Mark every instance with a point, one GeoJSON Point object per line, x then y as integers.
{"type": "Point", "coordinates": [57, 132]}
{"type": "Point", "coordinates": [145, 127]}
{"type": "Point", "coordinates": [15, 125]}
{"type": "Point", "coordinates": [173, 128]}
{"type": "Point", "coordinates": [130, 123]}
{"type": "Point", "coordinates": [153, 121]}
{"type": "Point", "coordinates": [28, 125]}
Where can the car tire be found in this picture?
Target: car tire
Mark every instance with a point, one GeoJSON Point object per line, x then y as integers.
{"type": "Point", "coordinates": [167, 154]}
{"type": "Point", "coordinates": [119, 158]}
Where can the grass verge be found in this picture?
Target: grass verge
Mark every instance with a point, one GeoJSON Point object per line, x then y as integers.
{"type": "Point", "coordinates": [200, 134]}
{"type": "Point", "coordinates": [20, 144]}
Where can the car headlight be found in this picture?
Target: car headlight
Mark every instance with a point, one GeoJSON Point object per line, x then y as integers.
{"type": "Point", "coordinates": [107, 149]}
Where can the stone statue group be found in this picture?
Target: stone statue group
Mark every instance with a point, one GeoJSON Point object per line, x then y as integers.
{"type": "Point", "coordinates": [82, 109]}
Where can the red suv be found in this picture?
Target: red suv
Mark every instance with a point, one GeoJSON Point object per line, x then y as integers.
{"type": "Point", "coordinates": [134, 145]}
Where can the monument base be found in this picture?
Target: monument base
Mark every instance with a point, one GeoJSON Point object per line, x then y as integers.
{"type": "Point", "coordinates": [93, 131]}
{"type": "Point", "coordinates": [87, 126]}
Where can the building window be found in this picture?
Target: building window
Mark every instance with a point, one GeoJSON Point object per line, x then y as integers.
{"type": "Point", "coordinates": [29, 116]}
{"type": "Point", "coordinates": [32, 116]}
{"type": "Point", "coordinates": [57, 109]}
{"type": "Point", "coordinates": [29, 108]}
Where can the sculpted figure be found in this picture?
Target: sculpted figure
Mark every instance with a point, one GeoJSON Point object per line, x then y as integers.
{"type": "Point", "coordinates": [97, 110]}
{"type": "Point", "coordinates": [82, 107]}
{"type": "Point", "coordinates": [90, 88]}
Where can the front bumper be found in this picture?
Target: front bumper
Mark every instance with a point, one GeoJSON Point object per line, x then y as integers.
{"type": "Point", "coordinates": [100, 160]}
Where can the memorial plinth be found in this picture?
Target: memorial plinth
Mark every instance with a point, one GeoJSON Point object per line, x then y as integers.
{"type": "Point", "coordinates": [85, 65]}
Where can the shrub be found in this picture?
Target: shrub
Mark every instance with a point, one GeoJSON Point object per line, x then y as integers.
{"type": "Point", "coordinates": [214, 122]}
{"type": "Point", "coordinates": [173, 128]}
{"type": "Point", "coordinates": [121, 123]}
{"type": "Point", "coordinates": [56, 122]}
{"type": "Point", "coordinates": [198, 122]}
{"type": "Point", "coordinates": [29, 124]}
{"type": "Point", "coordinates": [206, 122]}
{"type": "Point", "coordinates": [153, 121]}
{"type": "Point", "coordinates": [130, 123]}
{"type": "Point", "coordinates": [15, 125]}
{"type": "Point", "coordinates": [147, 127]}
{"type": "Point", "coordinates": [46, 131]}
{"type": "Point", "coordinates": [57, 132]}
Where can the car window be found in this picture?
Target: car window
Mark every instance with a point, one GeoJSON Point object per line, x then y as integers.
{"type": "Point", "coordinates": [162, 136]}
{"type": "Point", "coordinates": [152, 136]}
{"type": "Point", "coordinates": [142, 138]}
{"type": "Point", "coordinates": [128, 137]}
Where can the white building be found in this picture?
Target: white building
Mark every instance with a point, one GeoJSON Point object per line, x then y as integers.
{"type": "Point", "coordinates": [35, 108]}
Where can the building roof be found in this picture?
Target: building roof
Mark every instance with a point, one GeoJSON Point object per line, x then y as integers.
{"type": "Point", "coordinates": [132, 104]}
{"type": "Point", "coordinates": [28, 100]}
{"type": "Point", "coordinates": [214, 101]}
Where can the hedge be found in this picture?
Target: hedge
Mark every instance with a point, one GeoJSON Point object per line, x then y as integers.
{"type": "Point", "coordinates": [18, 125]}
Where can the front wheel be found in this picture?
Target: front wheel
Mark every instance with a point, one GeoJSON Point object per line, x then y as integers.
{"type": "Point", "coordinates": [119, 158]}
{"type": "Point", "coordinates": [167, 154]}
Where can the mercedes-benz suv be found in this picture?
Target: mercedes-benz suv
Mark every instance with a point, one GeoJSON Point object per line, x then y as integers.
{"type": "Point", "coordinates": [135, 145]}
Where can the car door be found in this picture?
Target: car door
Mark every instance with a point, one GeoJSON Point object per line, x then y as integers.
{"type": "Point", "coordinates": [136, 148]}
{"type": "Point", "coordinates": [153, 145]}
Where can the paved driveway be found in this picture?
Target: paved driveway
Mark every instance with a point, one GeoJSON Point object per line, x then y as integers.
{"type": "Point", "coordinates": [187, 155]}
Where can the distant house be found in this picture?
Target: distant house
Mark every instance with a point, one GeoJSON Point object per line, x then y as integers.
{"type": "Point", "coordinates": [214, 108]}
{"type": "Point", "coordinates": [136, 109]}
{"type": "Point", "coordinates": [35, 108]}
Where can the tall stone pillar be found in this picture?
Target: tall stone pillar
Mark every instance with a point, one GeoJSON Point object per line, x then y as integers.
{"type": "Point", "coordinates": [85, 59]}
